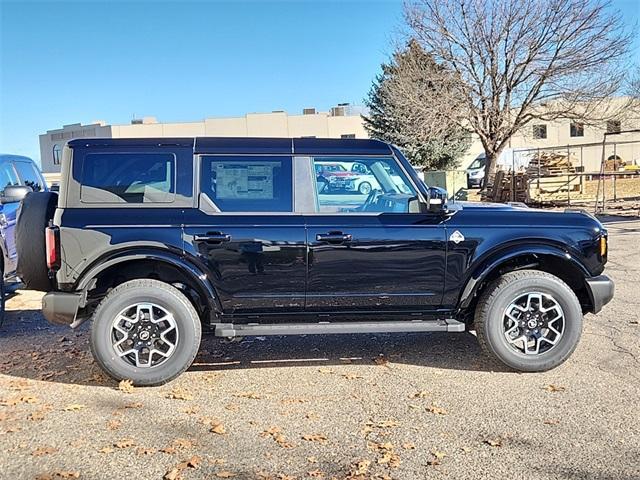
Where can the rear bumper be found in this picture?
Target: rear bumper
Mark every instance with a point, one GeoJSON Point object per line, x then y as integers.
{"type": "Point", "coordinates": [601, 290]}
{"type": "Point", "coordinates": [61, 308]}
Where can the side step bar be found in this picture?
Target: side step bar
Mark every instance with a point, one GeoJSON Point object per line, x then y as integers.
{"type": "Point", "coordinates": [258, 329]}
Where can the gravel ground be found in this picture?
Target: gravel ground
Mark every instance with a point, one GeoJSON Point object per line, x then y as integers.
{"type": "Point", "coordinates": [373, 406]}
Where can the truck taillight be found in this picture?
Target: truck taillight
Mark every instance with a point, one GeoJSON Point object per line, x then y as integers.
{"type": "Point", "coordinates": [53, 248]}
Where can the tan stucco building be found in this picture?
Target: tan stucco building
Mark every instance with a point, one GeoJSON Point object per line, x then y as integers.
{"type": "Point", "coordinates": [342, 121]}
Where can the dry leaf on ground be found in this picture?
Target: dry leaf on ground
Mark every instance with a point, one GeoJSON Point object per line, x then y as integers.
{"type": "Point", "coordinates": [494, 442]}
{"type": "Point", "coordinates": [40, 451]}
{"type": "Point", "coordinates": [74, 407]}
{"type": "Point", "coordinates": [315, 437]}
{"type": "Point", "coordinates": [180, 394]}
{"type": "Point", "coordinates": [553, 388]}
{"type": "Point", "coordinates": [436, 410]}
{"type": "Point", "coordinates": [126, 386]}
{"type": "Point", "coordinates": [125, 443]}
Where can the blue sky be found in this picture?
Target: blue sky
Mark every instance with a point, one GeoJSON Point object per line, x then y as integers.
{"type": "Point", "coordinates": [79, 61]}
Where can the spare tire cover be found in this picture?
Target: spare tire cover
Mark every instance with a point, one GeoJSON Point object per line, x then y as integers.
{"type": "Point", "coordinates": [34, 214]}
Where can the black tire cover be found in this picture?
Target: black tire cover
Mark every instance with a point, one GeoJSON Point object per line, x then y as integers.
{"type": "Point", "coordinates": [34, 214]}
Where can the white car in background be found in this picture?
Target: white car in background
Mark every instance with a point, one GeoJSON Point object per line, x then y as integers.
{"type": "Point", "coordinates": [364, 181]}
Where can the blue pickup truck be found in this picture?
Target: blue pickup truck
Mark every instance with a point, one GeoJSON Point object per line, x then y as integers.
{"type": "Point", "coordinates": [18, 176]}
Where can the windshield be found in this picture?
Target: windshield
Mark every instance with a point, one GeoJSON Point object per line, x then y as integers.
{"type": "Point", "coordinates": [477, 163]}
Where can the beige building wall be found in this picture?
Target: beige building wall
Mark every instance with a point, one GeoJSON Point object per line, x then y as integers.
{"type": "Point", "coordinates": [274, 124]}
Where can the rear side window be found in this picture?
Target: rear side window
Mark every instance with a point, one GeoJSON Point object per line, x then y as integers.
{"type": "Point", "coordinates": [8, 176]}
{"type": "Point", "coordinates": [29, 175]}
{"type": "Point", "coordinates": [128, 177]}
{"type": "Point", "coordinates": [248, 184]}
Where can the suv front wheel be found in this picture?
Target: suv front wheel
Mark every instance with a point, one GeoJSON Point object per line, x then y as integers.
{"type": "Point", "coordinates": [146, 331]}
{"type": "Point", "coordinates": [529, 320]}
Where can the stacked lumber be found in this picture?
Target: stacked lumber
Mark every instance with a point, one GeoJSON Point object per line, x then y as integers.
{"type": "Point", "coordinates": [547, 164]}
{"type": "Point", "coordinates": [500, 189]}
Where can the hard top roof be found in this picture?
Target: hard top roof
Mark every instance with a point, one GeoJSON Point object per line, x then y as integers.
{"type": "Point", "coordinates": [251, 145]}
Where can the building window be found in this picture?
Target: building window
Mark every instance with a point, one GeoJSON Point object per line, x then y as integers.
{"type": "Point", "coordinates": [539, 131]}
{"type": "Point", "coordinates": [56, 154]}
{"type": "Point", "coordinates": [614, 126]}
{"type": "Point", "coordinates": [576, 129]}
{"type": "Point", "coordinates": [348, 135]}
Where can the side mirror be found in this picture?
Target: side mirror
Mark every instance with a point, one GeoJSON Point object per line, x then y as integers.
{"type": "Point", "coordinates": [14, 193]}
{"type": "Point", "coordinates": [438, 198]}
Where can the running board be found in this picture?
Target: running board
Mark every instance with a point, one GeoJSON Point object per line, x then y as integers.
{"type": "Point", "coordinates": [260, 329]}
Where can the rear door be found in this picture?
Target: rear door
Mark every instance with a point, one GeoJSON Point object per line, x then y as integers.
{"type": "Point", "coordinates": [368, 253]}
{"type": "Point", "coordinates": [246, 234]}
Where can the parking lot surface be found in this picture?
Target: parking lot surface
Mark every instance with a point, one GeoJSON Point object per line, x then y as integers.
{"type": "Point", "coordinates": [404, 406]}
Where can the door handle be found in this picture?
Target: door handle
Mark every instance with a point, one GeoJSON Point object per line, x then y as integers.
{"type": "Point", "coordinates": [213, 237]}
{"type": "Point", "coordinates": [334, 237]}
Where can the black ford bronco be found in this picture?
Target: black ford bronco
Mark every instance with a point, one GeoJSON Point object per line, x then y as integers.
{"type": "Point", "coordinates": [156, 239]}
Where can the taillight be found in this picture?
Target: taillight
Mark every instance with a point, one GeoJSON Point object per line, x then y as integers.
{"type": "Point", "coordinates": [53, 247]}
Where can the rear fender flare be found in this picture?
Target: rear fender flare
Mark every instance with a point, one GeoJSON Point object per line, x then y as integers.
{"type": "Point", "coordinates": [483, 268]}
{"type": "Point", "coordinates": [199, 278]}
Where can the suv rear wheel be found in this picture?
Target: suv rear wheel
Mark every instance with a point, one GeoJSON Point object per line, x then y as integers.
{"type": "Point", "coordinates": [146, 331]}
{"type": "Point", "coordinates": [529, 320]}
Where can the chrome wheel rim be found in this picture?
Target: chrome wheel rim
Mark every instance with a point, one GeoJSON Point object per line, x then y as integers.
{"type": "Point", "coordinates": [144, 335]}
{"type": "Point", "coordinates": [533, 323]}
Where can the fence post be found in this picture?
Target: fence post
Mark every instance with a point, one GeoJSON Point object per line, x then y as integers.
{"type": "Point", "coordinates": [513, 175]}
{"type": "Point", "coordinates": [615, 177]}
{"type": "Point", "coordinates": [568, 176]}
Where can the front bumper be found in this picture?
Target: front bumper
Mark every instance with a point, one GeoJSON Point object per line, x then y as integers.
{"type": "Point", "coordinates": [601, 290]}
{"type": "Point", "coordinates": [61, 308]}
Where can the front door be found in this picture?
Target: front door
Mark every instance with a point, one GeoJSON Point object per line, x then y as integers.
{"type": "Point", "coordinates": [367, 252]}
{"type": "Point", "coordinates": [247, 236]}
{"type": "Point", "coordinates": [8, 177]}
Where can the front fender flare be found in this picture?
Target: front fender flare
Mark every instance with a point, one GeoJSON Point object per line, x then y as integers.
{"type": "Point", "coordinates": [481, 269]}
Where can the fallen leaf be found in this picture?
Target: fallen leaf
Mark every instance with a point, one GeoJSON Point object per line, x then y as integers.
{"type": "Point", "coordinates": [420, 394]}
{"type": "Point", "coordinates": [125, 443]}
{"type": "Point", "coordinates": [126, 386]}
{"type": "Point", "coordinates": [40, 451]}
{"type": "Point", "coordinates": [172, 474]}
{"type": "Point", "coordinates": [217, 427]}
{"type": "Point", "coordinates": [551, 422]}
{"type": "Point", "coordinates": [361, 467]}
{"type": "Point", "coordinates": [316, 473]}
{"type": "Point", "coordinates": [225, 474]}
{"type": "Point", "coordinates": [312, 460]}
{"type": "Point", "coordinates": [316, 437]}
{"type": "Point", "coordinates": [351, 376]}
{"type": "Point", "coordinates": [74, 407]}
{"type": "Point", "coordinates": [114, 424]}
{"type": "Point", "coordinates": [251, 395]}
{"type": "Point", "coordinates": [278, 437]}
{"type": "Point", "coordinates": [465, 449]}
{"type": "Point", "coordinates": [436, 410]}
{"type": "Point", "coordinates": [381, 360]}
{"type": "Point", "coordinates": [134, 405]}
{"type": "Point", "coordinates": [409, 446]}
{"type": "Point", "coordinates": [180, 394]}
{"type": "Point", "coordinates": [145, 451]}
{"type": "Point", "coordinates": [438, 454]}
{"type": "Point", "coordinates": [106, 450]}
{"type": "Point", "coordinates": [496, 442]}
{"type": "Point", "coordinates": [182, 443]}
{"type": "Point", "coordinates": [326, 371]}
{"type": "Point", "coordinates": [553, 388]}
{"type": "Point", "coordinates": [36, 416]}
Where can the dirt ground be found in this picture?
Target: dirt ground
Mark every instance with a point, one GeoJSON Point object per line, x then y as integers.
{"type": "Point", "coordinates": [405, 406]}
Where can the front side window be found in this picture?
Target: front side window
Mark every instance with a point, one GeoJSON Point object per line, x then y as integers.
{"type": "Point", "coordinates": [361, 184]}
{"type": "Point", "coordinates": [30, 177]}
{"type": "Point", "coordinates": [248, 184]}
{"type": "Point", "coordinates": [8, 177]}
{"type": "Point", "coordinates": [128, 177]}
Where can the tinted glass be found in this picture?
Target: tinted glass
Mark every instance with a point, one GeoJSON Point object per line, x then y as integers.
{"type": "Point", "coordinates": [248, 184]}
{"type": "Point", "coordinates": [128, 177]}
{"type": "Point", "coordinates": [361, 184]}
{"type": "Point", "coordinates": [7, 176]}
{"type": "Point", "coordinates": [29, 176]}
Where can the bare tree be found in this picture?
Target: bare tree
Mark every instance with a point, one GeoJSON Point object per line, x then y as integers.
{"type": "Point", "coordinates": [520, 60]}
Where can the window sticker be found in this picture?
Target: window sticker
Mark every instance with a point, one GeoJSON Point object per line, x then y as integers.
{"type": "Point", "coordinates": [242, 181]}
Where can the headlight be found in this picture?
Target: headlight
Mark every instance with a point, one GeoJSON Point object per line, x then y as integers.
{"type": "Point", "coordinates": [603, 246]}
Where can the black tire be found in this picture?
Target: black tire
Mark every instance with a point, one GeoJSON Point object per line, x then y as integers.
{"type": "Point", "coordinates": [34, 214]}
{"type": "Point", "coordinates": [160, 294]}
{"type": "Point", "coordinates": [366, 190]}
{"type": "Point", "coordinates": [490, 311]}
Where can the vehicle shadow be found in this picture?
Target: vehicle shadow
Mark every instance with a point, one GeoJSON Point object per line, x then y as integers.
{"type": "Point", "coordinates": [33, 349]}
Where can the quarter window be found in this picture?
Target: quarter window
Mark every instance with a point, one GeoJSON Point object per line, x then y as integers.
{"type": "Point", "coordinates": [128, 177]}
{"type": "Point", "coordinates": [30, 177]}
{"type": "Point", "coordinates": [361, 184]}
{"type": "Point", "coordinates": [56, 154]}
{"type": "Point", "coordinates": [248, 184]}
